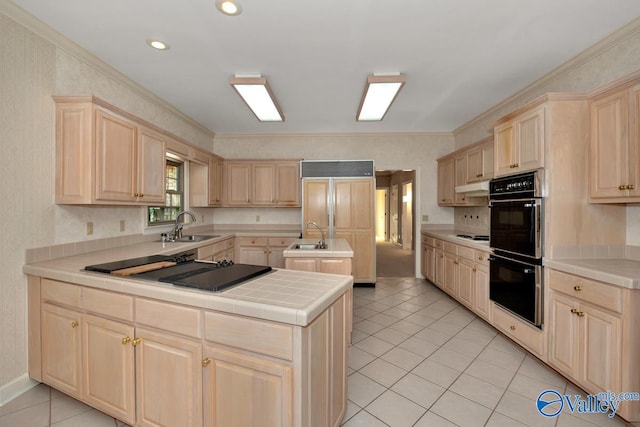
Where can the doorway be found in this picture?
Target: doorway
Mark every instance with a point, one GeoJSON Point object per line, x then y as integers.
{"type": "Point", "coordinates": [395, 253]}
{"type": "Point", "coordinates": [382, 233]}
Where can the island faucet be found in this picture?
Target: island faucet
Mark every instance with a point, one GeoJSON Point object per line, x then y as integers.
{"type": "Point", "coordinates": [177, 228]}
{"type": "Point", "coordinates": [323, 244]}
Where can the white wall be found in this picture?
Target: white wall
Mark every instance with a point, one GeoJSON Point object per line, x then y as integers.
{"type": "Point", "coordinates": [36, 64]}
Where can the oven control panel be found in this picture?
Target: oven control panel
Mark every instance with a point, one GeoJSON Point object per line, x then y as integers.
{"type": "Point", "coordinates": [516, 186]}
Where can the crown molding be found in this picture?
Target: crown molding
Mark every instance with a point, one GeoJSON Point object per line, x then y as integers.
{"type": "Point", "coordinates": [16, 13]}
{"type": "Point", "coordinates": [630, 30]}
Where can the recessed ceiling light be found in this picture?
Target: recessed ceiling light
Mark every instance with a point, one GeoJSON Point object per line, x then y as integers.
{"type": "Point", "coordinates": [229, 7]}
{"type": "Point", "coordinates": [157, 44]}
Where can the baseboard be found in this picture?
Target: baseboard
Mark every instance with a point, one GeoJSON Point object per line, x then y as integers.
{"type": "Point", "coordinates": [15, 388]}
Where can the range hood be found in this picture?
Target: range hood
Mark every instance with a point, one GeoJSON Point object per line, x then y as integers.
{"type": "Point", "coordinates": [475, 189]}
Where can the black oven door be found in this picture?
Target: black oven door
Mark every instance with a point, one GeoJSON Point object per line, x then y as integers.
{"type": "Point", "coordinates": [517, 287]}
{"type": "Point", "coordinates": [515, 226]}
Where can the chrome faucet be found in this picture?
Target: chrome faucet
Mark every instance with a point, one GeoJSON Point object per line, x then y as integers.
{"type": "Point", "coordinates": [177, 228]}
{"type": "Point", "coordinates": [323, 244]}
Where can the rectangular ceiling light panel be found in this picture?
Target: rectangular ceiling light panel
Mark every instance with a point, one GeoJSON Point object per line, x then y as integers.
{"type": "Point", "coordinates": [255, 92]}
{"type": "Point", "coordinates": [379, 93]}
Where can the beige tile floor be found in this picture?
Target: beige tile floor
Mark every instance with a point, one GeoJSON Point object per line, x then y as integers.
{"type": "Point", "coordinates": [418, 359]}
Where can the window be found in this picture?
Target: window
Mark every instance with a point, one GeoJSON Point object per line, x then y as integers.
{"type": "Point", "coordinates": [174, 198]}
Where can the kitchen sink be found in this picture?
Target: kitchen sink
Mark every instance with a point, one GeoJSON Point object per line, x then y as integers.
{"type": "Point", "coordinates": [308, 246]}
{"type": "Point", "coordinates": [194, 238]}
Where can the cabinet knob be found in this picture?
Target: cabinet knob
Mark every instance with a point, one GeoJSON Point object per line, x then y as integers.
{"type": "Point", "coordinates": [474, 270]}
{"type": "Point", "coordinates": [135, 342]}
{"type": "Point", "coordinates": [577, 288]}
{"type": "Point", "coordinates": [75, 324]}
{"type": "Point", "coordinates": [580, 313]}
{"type": "Point", "coordinates": [480, 258]}
{"type": "Point", "coordinates": [141, 195]}
{"type": "Point", "coordinates": [622, 187]}
{"type": "Point", "coordinates": [631, 187]}
{"type": "Point", "coordinates": [126, 340]}
{"type": "Point", "coordinates": [513, 328]}
{"type": "Point", "coordinates": [574, 310]}
{"type": "Point", "coordinates": [479, 175]}
{"type": "Point", "coordinates": [206, 361]}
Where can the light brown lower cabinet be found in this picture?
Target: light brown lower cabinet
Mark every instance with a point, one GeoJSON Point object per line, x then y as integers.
{"type": "Point", "coordinates": [156, 363]}
{"type": "Point", "coordinates": [320, 265]}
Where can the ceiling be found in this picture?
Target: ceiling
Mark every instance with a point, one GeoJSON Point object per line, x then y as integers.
{"type": "Point", "coordinates": [460, 57]}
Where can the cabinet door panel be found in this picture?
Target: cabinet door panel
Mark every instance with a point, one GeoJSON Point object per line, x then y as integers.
{"type": "Point", "coordinates": [481, 299]}
{"type": "Point", "coordinates": [237, 182]}
{"type": "Point", "coordinates": [115, 158]}
{"type": "Point", "coordinates": [215, 181]}
{"type": "Point", "coordinates": [530, 140]}
{"type": "Point", "coordinates": [151, 162]}
{"type": "Point", "coordinates": [241, 390]}
{"type": "Point", "coordinates": [563, 334]}
{"type": "Point", "coordinates": [288, 184]}
{"type": "Point", "coordinates": [609, 146]}
{"type": "Point", "coordinates": [109, 378]}
{"type": "Point", "coordinates": [168, 380]}
{"type": "Point", "coordinates": [316, 204]}
{"type": "Point", "coordinates": [601, 343]}
{"type": "Point", "coordinates": [343, 205]}
{"type": "Point", "coordinates": [504, 154]}
{"type": "Point", "coordinates": [450, 273]}
{"type": "Point", "coordinates": [465, 283]}
{"type": "Point", "coordinates": [251, 255]}
{"type": "Point", "coordinates": [61, 349]}
{"type": "Point", "coordinates": [263, 180]}
{"type": "Point", "coordinates": [446, 180]}
{"type": "Point", "coordinates": [362, 204]}
{"type": "Point", "coordinates": [460, 178]}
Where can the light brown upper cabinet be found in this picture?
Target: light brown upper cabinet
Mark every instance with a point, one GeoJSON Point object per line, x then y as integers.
{"type": "Point", "coordinates": [215, 181]}
{"type": "Point", "coordinates": [262, 183]}
{"type": "Point", "coordinates": [103, 156]}
{"type": "Point", "coordinates": [480, 161]}
{"type": "Point", "coordinates": [519, 142]}
{"type": "Point", "coordinates": [464, 166]}
{"type": "Point", "coordinates": [615, 146]}
{"type": "Point", "coordinates": [205, 180]}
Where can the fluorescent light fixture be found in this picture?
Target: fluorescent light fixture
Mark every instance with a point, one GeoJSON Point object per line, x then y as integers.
{"type": "Point", "coordinates": [256, 93]}
{"type": "Point", "coordinates": [379, 93]}
{"type": "Point", "coordinates": [229, 7]}
{"type": "Point", "coordinates": [157, 44]}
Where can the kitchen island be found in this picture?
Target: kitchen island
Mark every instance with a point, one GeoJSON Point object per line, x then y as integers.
{"type": "Point", "coordinates": [271, 350]}
{"type": "Point", "coordinates": [336, 257]}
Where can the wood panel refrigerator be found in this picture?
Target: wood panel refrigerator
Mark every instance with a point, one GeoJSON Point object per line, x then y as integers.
{"type": "Point", "coordinates": [344, 208]}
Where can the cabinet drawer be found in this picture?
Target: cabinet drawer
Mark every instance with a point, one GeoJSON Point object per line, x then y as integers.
{"type": "Point", "coordinates": [280, 241]}
{"type": "Point", "coordinates": [229, 243]}
{"type": "Point", "coordinates": [170, 317]}
{"type": "Point", "coordinates": [252, 241]}
{"type": "Point", "coordinates": [526, 335]}
{"type": "Point", "coordinates": [450, 247]}
{"type": "Point", "coordinates": [465, 252]}
{"type": "Point", "coordinates": [60, 292]}
{"type": "Point", "coordinates": [597, 293]}
{"type": "Point", "coordinates": [481, 257]}
{"type": "Point", "coordinates": [108, 304]}
{"type": "Point", "coordinates": [437, 243]}
{"type": "Point", "coordinates": [267, 338]}
{"type": "Point", "coordinates": [429, 241]}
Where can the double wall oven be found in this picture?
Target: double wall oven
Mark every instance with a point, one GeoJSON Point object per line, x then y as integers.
{"type": "Point", "coordinates": [516, 209]}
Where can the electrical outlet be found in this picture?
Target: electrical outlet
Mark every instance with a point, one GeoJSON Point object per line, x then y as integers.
{"type": "Point", "coordinates": [89, 228]}
{"type": "Point", "coordinates": [122, 225]}
{"type": "Point", "coordinates": [257, 218]}
{"type": "Point", "coordinates": [425, 218]}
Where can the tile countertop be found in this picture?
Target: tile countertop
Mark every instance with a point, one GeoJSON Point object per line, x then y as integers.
{"type": "Point", "coordinates": [450, 235]}
{"type": "Point", "coordinates": [287, 296]}
{"type": "Point", "coordinates": [618, 272]}
{"type": "Point", "coordinates": [336, 248]}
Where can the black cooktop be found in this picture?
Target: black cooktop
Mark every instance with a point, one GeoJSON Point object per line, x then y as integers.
{"type": "Point", "coordinates": [133, 262]}
{"type": "Point", "coordinates": [214, 279]}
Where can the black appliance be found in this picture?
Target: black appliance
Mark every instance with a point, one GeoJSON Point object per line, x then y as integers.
{"type": "Point", "coordinates": [210, 276]}
{"type": "Point", "coordinates": [516, 215]}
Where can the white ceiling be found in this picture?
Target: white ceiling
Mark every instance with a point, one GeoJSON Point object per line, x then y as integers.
{"type": "Point", "coordinates": [460, 57]}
